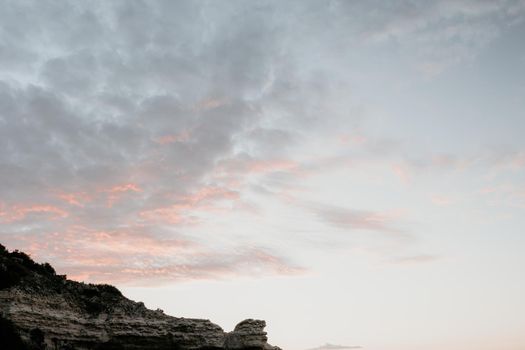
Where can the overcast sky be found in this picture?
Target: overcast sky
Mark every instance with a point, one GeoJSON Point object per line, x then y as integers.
{"type": "Point", "coordinates": [353, 172]}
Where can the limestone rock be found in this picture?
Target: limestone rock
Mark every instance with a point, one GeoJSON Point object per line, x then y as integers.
{"type": "Point", "coordinates": [248, 334]}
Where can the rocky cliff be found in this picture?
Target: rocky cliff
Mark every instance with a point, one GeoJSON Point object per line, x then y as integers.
{"type": "Point", "coordinates": [42, 310]}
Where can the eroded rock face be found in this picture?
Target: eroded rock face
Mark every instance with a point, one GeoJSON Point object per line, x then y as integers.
{"type": "Point", "coordinates": [41, 310]}
{"type": "Point", "coordinates": [248, 334]}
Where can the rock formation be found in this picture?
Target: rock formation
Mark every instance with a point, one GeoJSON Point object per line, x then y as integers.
{"type": "Point", "coordinates": [42, 310]}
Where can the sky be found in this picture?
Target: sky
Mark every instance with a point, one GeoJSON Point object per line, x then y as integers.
{"type": "Point", "coordinates": [353, 172]}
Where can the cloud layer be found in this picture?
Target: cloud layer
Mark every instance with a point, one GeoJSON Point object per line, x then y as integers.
{"type": "Point", "coordinates": [125, 125]}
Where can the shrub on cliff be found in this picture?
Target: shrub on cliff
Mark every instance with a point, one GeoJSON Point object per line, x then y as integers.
{"type": "Point", "coordinates": [15, 265]}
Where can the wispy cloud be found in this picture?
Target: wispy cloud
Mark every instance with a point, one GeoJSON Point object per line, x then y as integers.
{"type": "Point", "coordinates": [441, 200]}
{"type": "Point", "coordinates": [134, 256]}
{"type": "Point", "coordinates": [329, 346]}
{"type": "Point", "coordinates": [13, 213]}
{"type": "Point", "coordinates": [414, 259]}
{"type": "Point", "coordinates": [351, 219]}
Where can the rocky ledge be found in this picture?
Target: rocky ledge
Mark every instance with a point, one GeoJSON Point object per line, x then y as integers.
{"type": "Point", "coordinates": [42, 310]}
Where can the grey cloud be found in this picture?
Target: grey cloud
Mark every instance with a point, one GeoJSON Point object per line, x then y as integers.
{"type": "Point", "coordinates": [350, 219]}
{"type": "Point", "coordinates": [268, 142]}
{"type": "Point", "coordinates": [438, 33]}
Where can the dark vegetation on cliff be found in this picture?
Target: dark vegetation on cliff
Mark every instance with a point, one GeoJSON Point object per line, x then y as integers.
{"type": "Point", "coordinates": [17, 267]}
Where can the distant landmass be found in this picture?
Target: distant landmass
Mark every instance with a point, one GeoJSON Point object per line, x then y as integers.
{"type": "Point", "coordinates": [40, 310]}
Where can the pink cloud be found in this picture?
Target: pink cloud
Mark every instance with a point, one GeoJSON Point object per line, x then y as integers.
{"type": "Point", "coordinates": [173, 214]}
{"type": "Point", "coordinates": [78, 238]}
{"type": "Point", "coordinates": [114, 193]}
{"type": "Point", "coordinates": [124, 188]}
{"type": "Point", "coordinates": [277, 264]}
{"type": "Point", "coordinates": [504, 194]}
{"type": "Point", "coordinates": [183, 136]}
{"type": "Point", "coordinates": [415, 259]}
{"type": "Point", "coordinates": [78, 199]}
{"type": "Point", "coordinates": [211, 103]}
{"type": "Point", "coordinates": [441, 200]}
{"type": "Point", "coordinates": [134, 256]}
{"type": "Point", "coordinates": [353, 139]}
{"type": "Point", "coordinates": [271, 166]}
{"type": "Point", "coordinates": [208, 193]}
{"type": "Point", "coordinates": [402, 172]}
{"type": "Point", "coordinates": [350, 219]}
{"type": "Point", "coordinates": [19, 212]}
{"type": "Point", "coordinates": [246, 165]}
{"type": "Point", "coordinates": [206, 198]}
